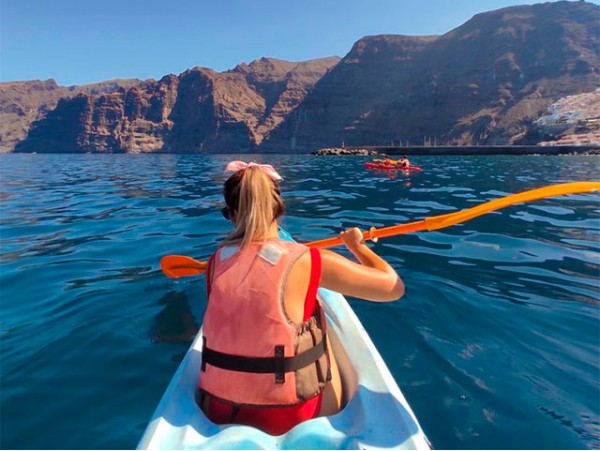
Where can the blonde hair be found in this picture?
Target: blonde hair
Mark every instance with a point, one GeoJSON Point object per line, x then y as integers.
{"type": "Point", "coordinates": [254, 202]}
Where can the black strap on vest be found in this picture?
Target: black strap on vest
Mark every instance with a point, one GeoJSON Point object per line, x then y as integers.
{"type": "Point", "coordinates": [279, 365]}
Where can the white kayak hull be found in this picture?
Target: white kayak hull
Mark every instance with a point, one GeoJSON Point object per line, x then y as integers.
{"type": "Point", "coordinates": [376, 415]}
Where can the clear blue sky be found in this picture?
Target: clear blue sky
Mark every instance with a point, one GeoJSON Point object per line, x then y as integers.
{"type": "Point", "coordinates": [83, 41]}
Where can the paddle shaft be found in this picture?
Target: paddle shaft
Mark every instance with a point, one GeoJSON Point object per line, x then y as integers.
{"type": "Point", "coordinates": [443, 221]}
{"type": "Point", "coordinates": [178, 266]}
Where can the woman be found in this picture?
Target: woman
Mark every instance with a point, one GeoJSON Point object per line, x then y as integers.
{"type": "Point", "coordinates": [265, 355]}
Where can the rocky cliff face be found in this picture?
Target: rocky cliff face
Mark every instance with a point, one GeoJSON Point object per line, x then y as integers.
{"type": "Point", "coordinates": [484, 82]}
{"type": "Point", "coordinates": [23, 102]}
{"type": "Point", "coordinates": [378, 72]}
{"type": "Point", "coordinates": [127, 120]}
{"type": "Point", "coordinates": [200, 110]}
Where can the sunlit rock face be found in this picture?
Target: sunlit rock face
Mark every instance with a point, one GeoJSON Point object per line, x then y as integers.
{"type": "Point", "coordinates": [486, 82]}
{"type": "Point", "coordinates": [198, 111]}
{"type": "Point", "coordinates": [24, 102]}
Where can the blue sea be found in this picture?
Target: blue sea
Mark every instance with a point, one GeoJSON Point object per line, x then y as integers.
{"type": "Point", "coordinates": [496, 343]}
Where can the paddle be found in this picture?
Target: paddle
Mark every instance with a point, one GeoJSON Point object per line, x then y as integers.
{"type": "Point", "coordinates": [182, 266]}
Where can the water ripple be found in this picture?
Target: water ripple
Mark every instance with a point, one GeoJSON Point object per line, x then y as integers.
{"type": "Point", "coordinates": [498, 328]}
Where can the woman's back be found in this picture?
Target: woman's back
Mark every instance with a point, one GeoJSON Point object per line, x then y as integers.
{"type": "Point", "coordinates": [265, 330]}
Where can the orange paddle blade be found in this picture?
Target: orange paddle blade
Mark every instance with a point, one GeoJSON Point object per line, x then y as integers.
{"type": "Point", "coordinates": [180, 266]}
{"type": "Point", "coordinates": [442, 221]}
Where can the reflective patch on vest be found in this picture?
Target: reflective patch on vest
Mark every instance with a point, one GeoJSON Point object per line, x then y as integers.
{"type": "Point", "coordinates": [271, 252]}
{"type": "Point", "coordinates": [228, 251]}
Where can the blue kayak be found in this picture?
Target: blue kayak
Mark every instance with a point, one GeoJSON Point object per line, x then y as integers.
{"type": "Point", "coordinates": [376, 414]}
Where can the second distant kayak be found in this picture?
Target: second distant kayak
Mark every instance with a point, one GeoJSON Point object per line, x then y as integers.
{"type": "Point", "coordinates": [391, 167]}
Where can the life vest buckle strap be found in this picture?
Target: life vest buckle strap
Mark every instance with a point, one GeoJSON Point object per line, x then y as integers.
{"type": "Point", "coordinates": [279, 365]}
{"type": "Point", "coordinates": [203, 367]}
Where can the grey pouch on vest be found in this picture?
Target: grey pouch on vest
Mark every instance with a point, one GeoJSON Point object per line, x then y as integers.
{"type": "Point", "coordinates": [311, 379]}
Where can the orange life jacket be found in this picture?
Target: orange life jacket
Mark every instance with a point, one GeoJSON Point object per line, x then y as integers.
{"type": "Point", "coordinates": [253, 354]}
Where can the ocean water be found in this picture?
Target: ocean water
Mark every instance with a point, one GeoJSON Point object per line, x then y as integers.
{"type": "Point", "coordinates": [495, 345]}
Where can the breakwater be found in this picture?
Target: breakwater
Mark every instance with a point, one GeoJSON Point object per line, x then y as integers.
{"type": "Point", "coordinates": [484, 150]}
{"type": "Point", "coordinates": [345, 151]}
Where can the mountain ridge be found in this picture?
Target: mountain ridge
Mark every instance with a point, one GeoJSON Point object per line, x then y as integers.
{"type": "Point", "coordinates": [486, 81]}
{"type": "Point", "coordinates": [24, 102]}
{"type": "Point", "coordinates": [471, 85]}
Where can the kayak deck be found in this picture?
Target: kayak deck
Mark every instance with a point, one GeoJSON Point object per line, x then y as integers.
{"type": "Point", "coordinates": [376, 414]}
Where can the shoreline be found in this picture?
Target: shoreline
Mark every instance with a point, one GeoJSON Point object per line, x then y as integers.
{"type": "Point", "coordinates": [460, 150]}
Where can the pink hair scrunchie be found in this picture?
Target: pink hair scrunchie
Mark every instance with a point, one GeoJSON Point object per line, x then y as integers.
{"type": "Point", "coordinates": [238, 165]}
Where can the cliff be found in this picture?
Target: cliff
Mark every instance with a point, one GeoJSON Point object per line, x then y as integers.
{"type": "Point", "coordinates": [199, 110]}
{"type": "Point", "coordinates": [486, 82]}
{"type": "Point", "coordinates": [23, 102]}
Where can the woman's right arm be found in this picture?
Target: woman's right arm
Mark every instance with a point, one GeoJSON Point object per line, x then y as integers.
{"type": "Point", "coordinates": [373, 279]}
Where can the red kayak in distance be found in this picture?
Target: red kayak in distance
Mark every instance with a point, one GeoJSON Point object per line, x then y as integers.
{"type": "Point", "coordinates": [391, 167]}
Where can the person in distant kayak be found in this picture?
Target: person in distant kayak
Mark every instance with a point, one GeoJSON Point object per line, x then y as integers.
{"type": "Point", "coordinates": [404, 163]}
{"type": "Point", "coordinates": [266, 360]}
